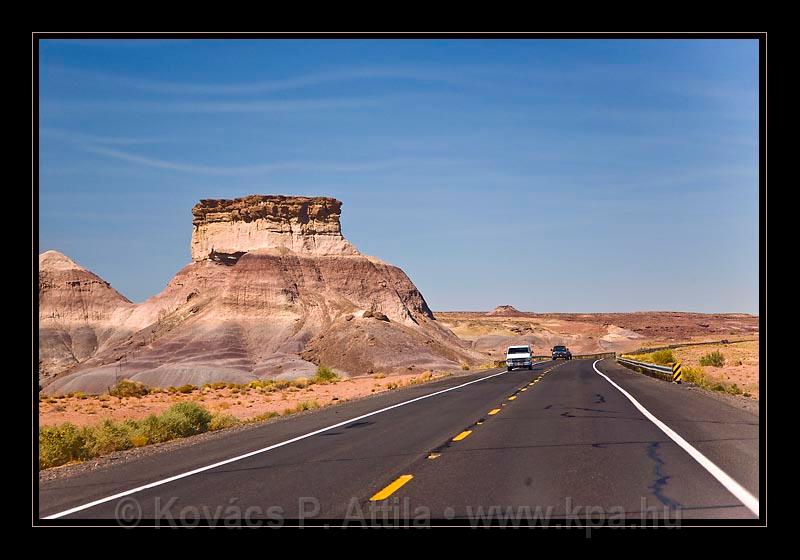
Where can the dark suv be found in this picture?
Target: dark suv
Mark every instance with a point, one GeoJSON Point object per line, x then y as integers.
{"type": "Point", "coordinates": [561, 352]}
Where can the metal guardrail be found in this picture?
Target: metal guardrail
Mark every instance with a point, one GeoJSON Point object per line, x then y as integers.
{"type": "Point", "coordinates": [653, 370]}
{"type": "Point", "coordinates": [599, 356]}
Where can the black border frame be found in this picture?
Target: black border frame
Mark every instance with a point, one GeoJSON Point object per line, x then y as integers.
{"type": "Point", "coordinates": [36, 37]}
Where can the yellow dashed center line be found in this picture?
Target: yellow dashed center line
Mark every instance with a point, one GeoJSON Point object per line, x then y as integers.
{"type": "Point", "coordinates": [494, 411]}
{"type": "Point", "coordinates": [462, 435]}
{"type": "Point", "coordinates": [512, 398]}
{"type": "Point", "coordinates": [391, 489]}
{"type": "Point", "coordinates": [524, 389]}
{"type": "Point", "coordinates": [434, 455]}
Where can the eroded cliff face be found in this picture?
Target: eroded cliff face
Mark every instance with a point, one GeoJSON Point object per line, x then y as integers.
{"type": "Point", "coordinates": [78, 313]}
{"type": "Point", "coordinates": [273, 290]}
{"type": "Point", "coordinates": [226, 229]}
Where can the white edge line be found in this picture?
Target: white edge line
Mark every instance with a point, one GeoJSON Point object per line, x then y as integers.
{"type": "Point", "coordinates": [750, 501]}
{"type": "Point", "coordinates": [258, 451]}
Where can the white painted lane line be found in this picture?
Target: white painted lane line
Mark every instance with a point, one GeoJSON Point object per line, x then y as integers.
{"type": "Point", "coordinates": [259, 451]}
{"type": "Point", "coordinates": [750, 501]}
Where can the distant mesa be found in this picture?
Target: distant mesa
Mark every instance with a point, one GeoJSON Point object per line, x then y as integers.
{"type": "Point", "coordinates": [506, 311]}
{"type": "Point", "coordinates": [273, 288]}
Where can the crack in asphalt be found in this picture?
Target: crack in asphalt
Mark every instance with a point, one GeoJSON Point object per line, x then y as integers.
{"type": "Point", "coordinates": [661, 479]}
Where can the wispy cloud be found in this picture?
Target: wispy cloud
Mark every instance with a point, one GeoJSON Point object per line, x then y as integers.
{"type": "Point", "coordinates": [265, 86]}
{"type": "Point", "coordinates": [70, 136]}
{"type": "Point", "coordinates": [235, 170]}
{"type": "Point", "coordinates": [270, 106]}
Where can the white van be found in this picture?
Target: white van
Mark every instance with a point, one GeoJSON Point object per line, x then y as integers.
{"type": "Point", "coordinates": [519, 356]}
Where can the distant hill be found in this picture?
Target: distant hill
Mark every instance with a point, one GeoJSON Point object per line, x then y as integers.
{"type": "Point", "coordinates": [506, 311]}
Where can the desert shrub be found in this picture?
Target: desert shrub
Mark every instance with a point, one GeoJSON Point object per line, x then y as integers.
{"type": "Point", "coordinates": [139, 440]}
{"type": "Point", "coordinates": [301, 383]}
{"type": "Point", "coordinates": [301, 407]}
{"type": "Point", "coordinates": [663, 357]}
{"type": "Point", "coordinates": [713, 359]}
{"type": "Point", "coordinates": [392, 386]}
{"type": "Point", "coordinates": [61, 444]}
{"type": "Point", "coordinates": [221, 421]}
{"type": "Point", "coordinates": [694, 375]}
{"type": "Point", "coordinates": [660, 357]}
{"type": "Point", "coordinates": [734, 390]}
{"type": "Point", "coordinates": [128, 388]}
{"type": "Point", "coordinates": [148, 430]}
{"type": "Point", "coordinates": [325, 375]}
{"type": "Point", "coordinates": [465, 367]}
{"type": "Point", "coordinates": [108, 437]}
{"type": "Point", "coordinates": [261, 383]}
{"type": "Point", "coordinates": [185, 419]}
{"type": "Point", "coordinates": [186, 388]}
{"type": "Point", "coordinates": [265, 416]}
{"type": "Point", "coordinates": [282, 384]}
{"type": "Point", "coordinates": [379, 375]}
{"type": "Point", "coordinates": [216, 386]}
{"type": "Point", "coordinates": [79, 395]}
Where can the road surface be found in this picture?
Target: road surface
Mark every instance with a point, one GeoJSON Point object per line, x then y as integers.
{"type": "Point", "coordinates": [559, 442]}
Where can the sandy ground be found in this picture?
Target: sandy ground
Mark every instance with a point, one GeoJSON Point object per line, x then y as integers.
{"type": "Point", "coordinates": [741, 363]}
{"type": "Point", "coordinates": [588, 333]}
{"type": "Point", "coordinates": [243, 404]}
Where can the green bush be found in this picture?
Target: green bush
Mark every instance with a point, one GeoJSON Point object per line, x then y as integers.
{"type": "Point", "coordinates": [108, 437]}
{"type": "Point", "coordinates": [663, 357]}
{"type": "Point", "coordinates": [301, 407]}
{"type": "Point", "coordinates": [261, 384]}
{"type": "Point", "coordinates": [325, 375]}
{"type": "Point", "coordinates": [222, 421]}
{"type": "Point", "coordinates": [694, 375]}
{"type": "Point", "coordinates": [61, 444]}
{"type": "Point", "coordinates": [265, 416]}
{"type": "Point", "coordinates": [185, 419]}
{"type": "Point", "coordinates": [149, 430]}
{"type": "Point", "coordinates": [128, 388]}
{"type": "Point", "coordinates": [713, 359]}
{"type": "Point", "coordinates": [216, 386]}
{"type": "Point", "coordinates": [735, 390]}
{"type": "Point", "coordinates": [186, 388]}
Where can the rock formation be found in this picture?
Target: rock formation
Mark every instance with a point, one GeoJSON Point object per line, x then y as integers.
{"type": "Point", "coordinates": [274, 289]}
{"type": "Point", "coordinates": [505, 311]}
{"type": "Point", "coordinates": [78, 313]}
{"type": "Point", "coordinates": [225, 229]}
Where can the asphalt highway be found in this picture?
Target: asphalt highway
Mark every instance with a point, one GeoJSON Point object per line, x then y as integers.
{"type": "Point", "coordinates": [559, 442]}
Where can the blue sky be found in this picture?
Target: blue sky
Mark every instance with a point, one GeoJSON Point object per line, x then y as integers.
{"type": "Point", "coordinates": [614, 175]}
